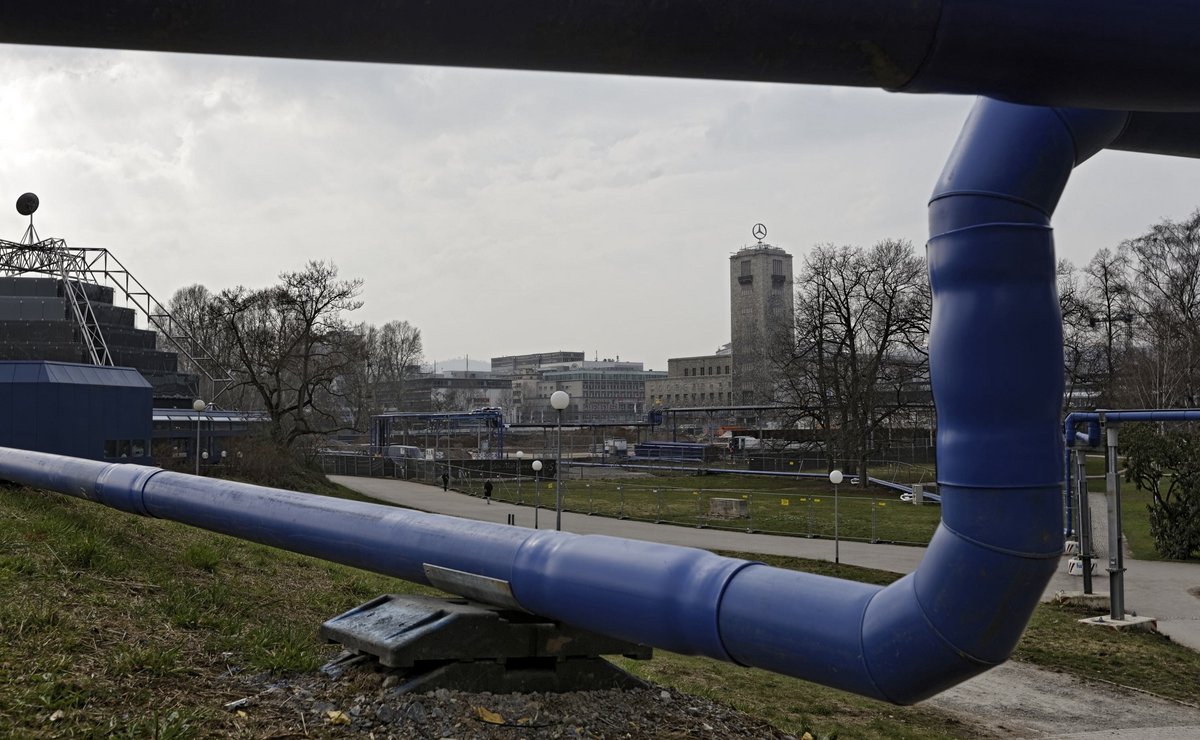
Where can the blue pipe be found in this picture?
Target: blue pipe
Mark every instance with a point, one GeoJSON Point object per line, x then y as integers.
{"type": "Point", "coordinates": [1071, 438]}
{"type": "Point", "coordinates": [655, 594]}
{"type": "Point", "coordinates": [1092, 438]}
{"type": "Point", "coordinates": [1133, 415]}
{"type": "Point", "coordinates": [995, 344]}
{"type": "Point", "coordinates": [1109, 54]}
{"type": "Point", "coordinates": [996, 352]}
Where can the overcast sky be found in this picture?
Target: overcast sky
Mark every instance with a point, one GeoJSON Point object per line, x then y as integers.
{"type": "Point", "coordinates": [500, 212]}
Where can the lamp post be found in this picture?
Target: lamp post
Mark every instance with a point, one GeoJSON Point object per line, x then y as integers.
{"type": "Point", "coordinates": [198, 406]}
{"type": "Point", "coordinates": [520, 457]}
{"type": "Point", "coordinates": [835, 477]}
{"type": "Point", "coordinates": [537, 490]}
{"type": "Point", "coordinates": [559, 400]}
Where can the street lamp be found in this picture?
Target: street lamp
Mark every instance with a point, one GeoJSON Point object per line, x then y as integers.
{"type": "Point", "coordinates": [559, 400]}
{"type": "Point", "coordinates": [520, 457]}
{"type": "Point", "coordinates": [537, 490]}
{"type": "Point", "coordinates": [835, 477]}
{"type": "Point", "coordinates": [198, 406]}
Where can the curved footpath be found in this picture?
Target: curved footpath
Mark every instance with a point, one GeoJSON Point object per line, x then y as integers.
{"type": "Point", "coordinates": [1023, 700]}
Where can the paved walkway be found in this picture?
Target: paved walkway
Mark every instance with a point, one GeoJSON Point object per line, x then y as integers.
{"type": "Point", "coordinates": [1154, 589]}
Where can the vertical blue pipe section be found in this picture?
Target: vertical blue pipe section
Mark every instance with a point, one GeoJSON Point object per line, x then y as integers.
{"type": "Point", "coordinates": [997, 370]}
{"type": "Point", "coordinates": [996, 364]}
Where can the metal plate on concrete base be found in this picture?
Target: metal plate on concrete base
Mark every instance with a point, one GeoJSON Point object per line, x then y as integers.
{"type": "Point", "coordinates": [457, 644]}
{"type": "Point", "coordinates": [1129, 624]}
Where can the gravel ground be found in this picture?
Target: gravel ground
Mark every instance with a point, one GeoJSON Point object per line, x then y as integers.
{"type": "Point", "coordinates": [367, 704]}
{"type": "Point", "coordinates": [1014, 700]}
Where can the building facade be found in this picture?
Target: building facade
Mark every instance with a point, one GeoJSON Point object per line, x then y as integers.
{"type": "Point", "coordinates": [516, 364]}
{"type": "Point", "coordinates": [601, 391]}
{"type": "Point", "coordinates": [704, 380]}
{"type": "Point", "coordinates": [457, 390]}
{"type": "Point", "coordinates": [762, 315]}
{"type": "Point", "coordinates": [78, 410]}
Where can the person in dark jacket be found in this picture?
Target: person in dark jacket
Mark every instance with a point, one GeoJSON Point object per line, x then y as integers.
{"type": "Point", "coordinates": [487, 491]}
{"type": "Point", "coordinates": [445, 480]}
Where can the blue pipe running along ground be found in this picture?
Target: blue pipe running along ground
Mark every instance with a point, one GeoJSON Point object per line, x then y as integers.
{"type": "Point", "coordinates": [995, 345]}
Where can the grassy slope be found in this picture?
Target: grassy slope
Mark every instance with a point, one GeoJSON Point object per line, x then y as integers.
{"type": "Point", "coordinates": [136, 626]}
{"type": "Point", "coordinates": [129, 627]}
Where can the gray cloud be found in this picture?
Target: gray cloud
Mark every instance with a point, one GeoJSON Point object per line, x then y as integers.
{"type": "Point", "coordinates": [499, 211]}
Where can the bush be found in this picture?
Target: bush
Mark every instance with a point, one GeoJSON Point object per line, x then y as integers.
{"type": "Point", "coordinates": [1167, 465]}
{"type": "Point", "coordinates": [257, 459]}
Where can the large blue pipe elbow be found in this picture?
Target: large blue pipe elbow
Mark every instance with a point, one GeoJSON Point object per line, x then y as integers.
{"type": "Point", "coordinates": [996, 367]}
{"type": "Point", "coordinates": [997, 372]}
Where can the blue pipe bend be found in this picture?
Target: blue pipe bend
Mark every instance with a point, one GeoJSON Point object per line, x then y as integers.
{"type": "Point", "coordinates": [996, 369]}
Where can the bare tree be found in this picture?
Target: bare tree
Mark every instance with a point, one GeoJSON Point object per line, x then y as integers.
{"type": "Point", "coordinates": [1165, 266]}
{"type": "Point", "coordinates": [449, 400]}
{"type": "Point", "coordinates": [1078, 337]}
{"type": "Point", "coordinates": [1108, 296]}
{"type": "Point", "coordinates": [393, 355]}
{"type": "Point", "coordinates": [858, 361]}
{"type": "Point", "coordinates": [196, 323]}
{"type": "Point", "coordinates": [294, 348]}
{"type": "Point", "coordinates": [397, 355]}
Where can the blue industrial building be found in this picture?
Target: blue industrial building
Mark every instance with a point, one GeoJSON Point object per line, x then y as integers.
{"type": "Point", "coordinates": [101, 413]}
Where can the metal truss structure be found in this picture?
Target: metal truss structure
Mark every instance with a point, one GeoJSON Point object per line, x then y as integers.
{"type": "Point", "coordinates": [78, 265]}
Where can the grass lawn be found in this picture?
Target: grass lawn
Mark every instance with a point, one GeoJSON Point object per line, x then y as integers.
{"type": "Point", "coordinates": [798, 506]}
{"type": "Point", "coordinates": [120, 626]}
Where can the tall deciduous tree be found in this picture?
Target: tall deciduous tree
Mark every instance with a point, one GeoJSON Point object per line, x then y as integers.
{"type": "Point", "coordinates": [394, 353]}
{"type": "Point", "coordinates": [858, 361]}
{"type": "Point", "coordinates": [191, 323]}
{"type": "Point", "coordinates": [1165, 267]}
{"type": "Point", "coordinates": [1078, 329]}
{"type": "Point", "coordinates": [1108, 295]}
{"type": "Point", "coordinates": [293, 346]}
{"type": "Point", "coordinates": [397, 354]}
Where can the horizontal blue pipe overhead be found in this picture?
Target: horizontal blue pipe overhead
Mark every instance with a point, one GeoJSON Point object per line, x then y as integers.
{"type": "Point", "coordinates": [1103, 54]}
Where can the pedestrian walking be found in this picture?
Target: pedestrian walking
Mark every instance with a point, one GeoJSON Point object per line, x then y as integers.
{"type": "Point", "coordinates": [487, 491]}
{"type": "Point", "coordinates": [445, 480]}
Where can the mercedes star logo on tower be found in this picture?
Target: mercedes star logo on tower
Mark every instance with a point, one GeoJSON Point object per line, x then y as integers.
{"type": "Point", "coordinates": [759, 231]}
